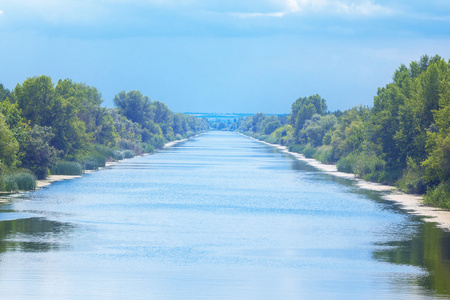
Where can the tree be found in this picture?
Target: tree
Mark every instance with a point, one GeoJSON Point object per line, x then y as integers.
{"type": "Point", "coordinates": [8, 145]}
{"type": "Point", "coordinates": [303, 109]}
{"type": "Point", "coordinates": [271, 127]}
{"type": "Point", "coordinates": [134, 106]}
{"type": "Point", "coordinates": [39, 156]}
{"type": "Point", "coordinates": [4, 93]}
{"type": "Point", "coordinates": [43, 106]}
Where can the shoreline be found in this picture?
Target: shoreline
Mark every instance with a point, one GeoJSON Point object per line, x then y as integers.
{"type": "Point", "coordinates": [412, 204]}
{"type": "Point", "coordinates": [43, 183]}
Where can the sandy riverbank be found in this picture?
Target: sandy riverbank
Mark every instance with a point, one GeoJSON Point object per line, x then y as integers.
{"type": "Point", "coordinates": [411, 203]}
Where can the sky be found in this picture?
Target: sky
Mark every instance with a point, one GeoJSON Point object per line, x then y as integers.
{"type": "Point", "coordinates": [233, 56]}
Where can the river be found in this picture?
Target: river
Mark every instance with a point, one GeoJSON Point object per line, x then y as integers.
{"type": "Point", "coordinates": [219, 216]}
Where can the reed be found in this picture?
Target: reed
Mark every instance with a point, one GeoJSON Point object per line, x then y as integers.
{"type": "Point", "coordinates": [67, 168]}
{"type": "Point", "coordinates": [18, 180]}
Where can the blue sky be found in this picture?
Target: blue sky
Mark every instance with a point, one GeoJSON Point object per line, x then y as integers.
{"type": "Point", "coordinates": [222, 56]}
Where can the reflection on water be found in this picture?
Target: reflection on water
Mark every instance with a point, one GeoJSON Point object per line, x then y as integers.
{"type": "Point", "coordinates": [217, 217]}
{"type": "Point", "coordinates": [428, 247]}
{"type": "Point", "coordinates": [27, 234]}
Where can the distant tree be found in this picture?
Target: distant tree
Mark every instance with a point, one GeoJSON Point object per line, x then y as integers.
{"type": "Point", "coordinates": [271, 127]}
{"type": "Point", "coordinates": [4, 92]}
{"type": "Point", "coordinates": [303, 109]}
{"type": "Point", "coordinates": [135, 106]}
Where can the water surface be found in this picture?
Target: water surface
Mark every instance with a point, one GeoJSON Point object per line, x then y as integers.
{"type": "Point", "coordinates": [217, 217]}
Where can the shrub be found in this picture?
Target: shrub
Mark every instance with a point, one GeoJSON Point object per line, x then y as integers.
{"type": "Point", "coordinates": [118, 155]}
{"type": "Point", "coordinates": [323, 154]}
{"type": "Point", "coordinates": [129, 145]}
{"type": "Point", "coordinates": [8, 183]}
{"type": "Point", "coordinates": [412, 180]}
{"type": "Point", "coordinates": [128, 154]}
{"type": "Point", "coordinates": [148, 148]}
{"type": "Point", "coordinates": [309, 151]}
{"type": "Point", "coordinates": [296, 148]}
{"type": "Point", "coordinates": [345, 164]}
{"type": "Point", "coordinates": [106, 152]}
{"type": "Point", "coordinates": [439, 196]}
{"type": "Point", "coordinates": [89, 164]}
{"type": "Point", "coordinates": [189, 134]}
{"type": "Point", "coordinates": [20, 179]}
{"type": "Point", "coordinates": [26, 181]}
{"type": "Point", "coordinates": [271, 140]}
{"type": "Point", "coordinates": [157, 141]}
{"type": "Point", "coordinates": [67, 168]}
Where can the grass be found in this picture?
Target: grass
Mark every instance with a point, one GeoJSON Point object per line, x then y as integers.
{"type": "Point", "coordinates": [67, 168]}
{"type": "Point", "coordinates": [18, 180]}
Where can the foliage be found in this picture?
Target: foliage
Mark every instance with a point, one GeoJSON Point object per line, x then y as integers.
{"type": "Point", "coordinates": [440, 196]}
{"type": "Point", "coordinates": [8, 145]}
{"type": "Point", "coordinates": [303, 109]}
{"type": "Point", "coordinates": [67, 168]}
{"type": "Point", "coordinates": [38, 155]}
{"type": "Point", "coordinates": [413, 179]}
{"type": "Point", "coordinates": [271, 127]}
{"type": "Point", "coordinates": [128, 154]}
{"type": "Point", "coordinates": [4, 92]}
{"type": "Point", "coordinates": [18, 180]}
{"type": "Point", "coordinates": [323, 154]}
{"type": "Point", "coordinates": [41, 123]}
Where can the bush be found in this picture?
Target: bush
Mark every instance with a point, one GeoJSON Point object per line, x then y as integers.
{"type": "Point", "coordinates": [118, 155]}
{"type": "Point", "coordinates": [148, 148]}
{"type": "Point", "coordinates": [412, 181]}
{"type": "Point", "coordinates": [128, 154]}
{"type": "Point", "coordinates": [271, 140]}
{"type": "Point", "coordinates": [323, 154]}
{"type": "Point", "coordinates": [157, 141]}
{"type": "Point", "coordinates": [106, 152]}
{"type": "Point", "coordinates": [296, 148]}
{"type": "Point", "coordinates": [129, 145]}
{"type": "Point", "coordinates": [8, 183]}
{"type": "Point", "coordinates": [89, 164]}
{"type": "Point", "coordinates": [309, 151]}
{"type": "Point", "coordinates": [345, 164]}
{"type": "Point", "coordinates": [21, 179]}
{"type": "Point", "coordinates": [189, 134]}
{"type": "Point", "coordinates": [67, 168]}
{"type": "Point", "coordinates": [439, 196]}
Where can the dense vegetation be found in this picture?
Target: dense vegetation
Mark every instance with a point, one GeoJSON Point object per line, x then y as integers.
{"type": "Point", "coordinates": [404, 139]}
{"type": "Point", "coordinates": [62, 129]}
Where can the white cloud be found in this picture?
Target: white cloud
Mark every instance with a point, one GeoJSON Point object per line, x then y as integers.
{"type": "Point", "coordinates": [1, 12]}
{"type": "Point", "coordinates": [365, 8]}
{"type": "Point", "coordinates": [355, 8]}
{"type": "Point", "coordinates": [338, 7]}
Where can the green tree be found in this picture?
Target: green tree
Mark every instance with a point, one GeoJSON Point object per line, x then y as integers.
{"type": "Point", "coordinates": [39, 156]}
{"type": "Point", "coordinates": [41, 105]}
{"type": "Point", "coordinates": [271, 127]}
{"type": "Point", "coordinates": [134, 106]}
{"type": "Point", "coordinates": [4, 92]}
{"type": "Point", "coordinates": [8, 145]}
{"type": "Point", "coordinates": [303, 109]}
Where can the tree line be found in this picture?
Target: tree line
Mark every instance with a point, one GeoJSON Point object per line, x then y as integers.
{"type": "Point", "coordinates": [50, 129]}
{"type": "Point", "coordinates": [402, 140]}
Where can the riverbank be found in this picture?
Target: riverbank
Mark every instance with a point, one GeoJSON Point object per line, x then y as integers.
{"type": "Point", "coordinates": [55, 178]}
{"type": "Point", "coordinates": [411, 203]}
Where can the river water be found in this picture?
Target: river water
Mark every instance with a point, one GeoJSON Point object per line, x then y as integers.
{"type": "Point", "coordinates": [219, 216]}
